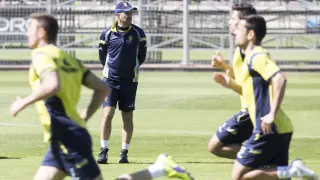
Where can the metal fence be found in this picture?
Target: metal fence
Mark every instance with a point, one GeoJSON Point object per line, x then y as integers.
{"type": "Point", "coordinates": [177, 32]}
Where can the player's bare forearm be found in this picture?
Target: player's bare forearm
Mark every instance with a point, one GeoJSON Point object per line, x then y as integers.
{"type": "Point", "coordinates": [279, 85]}
{"type": "Point", "coordinates": [50, 86]}
{"type": "Point", "coordinates": [235, 87]}
{"type": "Point", "coordinates": [100, 89]}
{"type": "Point", "coordinates": [227, 82]}
{"type": "Point", "coordinates": [230, 72]}
{"type": "Point", "coordinates": [96, 101]}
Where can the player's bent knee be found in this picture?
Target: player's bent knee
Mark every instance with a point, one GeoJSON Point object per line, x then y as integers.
{"type": "Point", "coordinates": [236, 175]}
{"type": "Point", "coordinates": [214, 146]}
{"type": "Point", "coordinates": [239, 171]}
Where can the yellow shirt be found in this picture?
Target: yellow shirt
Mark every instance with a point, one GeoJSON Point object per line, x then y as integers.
{"type": "Point", "coordinates": [257, 90]}
{"type": "Point", "coordinates": [237, 63]}
{"type": "Point", "coordinates": [71, 73]}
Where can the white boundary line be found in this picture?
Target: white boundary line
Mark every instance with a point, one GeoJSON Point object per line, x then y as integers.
{"type": "Point", "coordinates": [3, 124]}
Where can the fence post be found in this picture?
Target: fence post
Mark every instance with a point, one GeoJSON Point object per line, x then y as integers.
{"type": "Point", "coordinates": [185, 32]}
{"type": "Point", "coordinates": [231, 41]}
{"type": "Point", "coordinates": [140, 12]}
{"type": "Point", "coordinates": [49, 6]}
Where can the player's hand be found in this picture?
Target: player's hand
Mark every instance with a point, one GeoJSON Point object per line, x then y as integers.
{"type": "Point", "coordinates": [222, 79]}
{"type": "Point", "coordinates": [217, 61]}
{"type": "Point", "coordinates": [17, 106]}
{"type": "Point", "coordinates": [266, 124]}
{"type": "Point", "coordinates": [230, 72]}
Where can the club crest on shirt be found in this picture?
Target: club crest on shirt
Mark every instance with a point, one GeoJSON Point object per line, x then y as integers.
{"type": "Point", "coordinates": [130, 38]}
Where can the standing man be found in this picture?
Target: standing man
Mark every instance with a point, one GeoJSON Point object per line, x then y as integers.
{"type": "Point", "coordinates": [122, 49]}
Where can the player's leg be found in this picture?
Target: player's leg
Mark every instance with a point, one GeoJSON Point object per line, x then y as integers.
{"type": "Point", "coordinates": [51, 167]}
{"type": "Point", "coordinates": [82, 167]}
{"type": "Point", "coordinates": [280, 162]}
{"type": "Point", "coordinates": [77, 157]}
{"type": "Point", "coordinates": [164, 166]}
{"type": "Point", "coordinates": [257, 152]}
{"type": "Point", "coordinates": [229, 137]}
{"type": "Point", "coordinates": [127, 131]}
{"type": "Point", "coordinates": [49, 173]}
{"type": "Point", "coordinates": [281, 168]}
{"type": "Point", "coordinates": [109, 107]}
{"type": "Point", "coordinates": [295, 169]}
{"type": "Point", "coordinates": [239, 171]}
{"type": "Point", "coordinates": [216, 147]}
{"type": "Point", "coordinates": [127, 106]}
{"type": "Point", "coordinates": [142, 175]}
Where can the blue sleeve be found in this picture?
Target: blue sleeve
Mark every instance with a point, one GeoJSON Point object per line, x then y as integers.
{"type": "Point", "coordinates": [103, 48]}
{"type": "Point", "coordinates": [142, 47]}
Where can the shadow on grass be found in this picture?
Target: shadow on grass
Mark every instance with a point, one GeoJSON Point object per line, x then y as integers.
{"type": "Point", "coordinates": [4, 157]}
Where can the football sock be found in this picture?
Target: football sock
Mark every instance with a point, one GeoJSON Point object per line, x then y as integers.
{"type": "Point", "coordinates": [125, 146]}
{"type": "Point", "coordinates": [157, 170]}
{"type": "Point", "coordinates": [104, 143]}
{"type": "Point", "coordinates": [285, 172]}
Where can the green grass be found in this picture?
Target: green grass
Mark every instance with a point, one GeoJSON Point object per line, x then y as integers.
{"type": "Point", "coordinates": [177, 112]}
{"type": "Point", "coordinates": [279, 55]}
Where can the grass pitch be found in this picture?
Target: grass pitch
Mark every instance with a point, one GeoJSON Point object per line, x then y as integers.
{"type": "Point", "coordinates": [177, 112]}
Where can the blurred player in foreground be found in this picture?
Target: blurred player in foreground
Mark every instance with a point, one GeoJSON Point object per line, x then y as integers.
{"type": "Point", "coordinates": [164, 166]}
{"type": "Point", "coordinates": [56, 79]}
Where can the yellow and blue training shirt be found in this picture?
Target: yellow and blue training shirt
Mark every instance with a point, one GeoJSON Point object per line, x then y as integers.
{"type": "Point", "coordinates": [257, 90]}
{"type": "Point", "coordinates": [237, 62]}
{"type": "Point", "coordinates": [61, 107]}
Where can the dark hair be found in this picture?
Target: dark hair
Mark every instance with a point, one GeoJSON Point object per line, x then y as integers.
{"type": "Point", "coordinates": [50, 25]}
{"type": "Point", "coordinates": [258, 25]}
{"type": "Point", "coordinates": [244, 9]}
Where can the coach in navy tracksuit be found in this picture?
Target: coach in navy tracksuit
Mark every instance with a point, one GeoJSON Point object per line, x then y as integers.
{"type": "Point", "coordinates": [122, 49]}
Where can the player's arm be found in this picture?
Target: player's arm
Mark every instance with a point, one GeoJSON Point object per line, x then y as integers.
{"type": "Point", "coordinates": [142, 48]}
{"type": "Point", "coordinates": [230, 72]}
{"type": "Point", "coordinates": [227, 82]}
{"type": "Point", "coordinates": [217, 61]}
{"type": "Point", "coordinates": [50, 85]}
{"type": "Point", "coordinates": [100, 91]}
{"type": "Point", "coordinates": [45, 68]}
{"type": "Point", "coordinates": [235, 87]}
{"type": "Point", "coordinates": [279, 83]}
{"type": "Point", "coordinates": [103, 48]}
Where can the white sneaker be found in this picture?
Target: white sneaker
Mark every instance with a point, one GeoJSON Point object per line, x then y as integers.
{"type": "Point", "coordinates": [303, 171]}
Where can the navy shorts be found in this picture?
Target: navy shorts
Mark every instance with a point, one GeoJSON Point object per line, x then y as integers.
{"type": "Point", "coordinates": [264, 150]}
{"type": "Point", "coordinates": [74, 164]}
{"type": "Point", "coordinates": [123, 93]}
{"type": "Point", "coordinates": [236, 130]}
{"type": "Point", "coordinates": [71, 149]}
